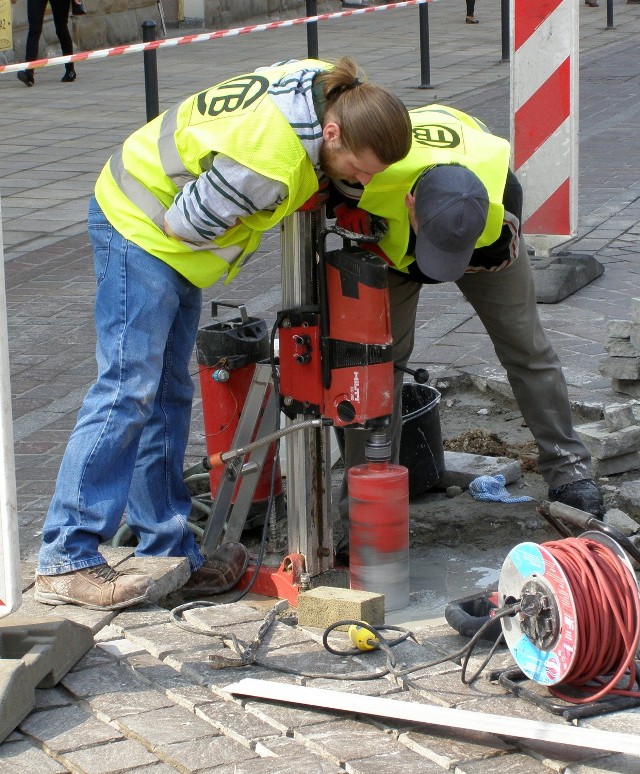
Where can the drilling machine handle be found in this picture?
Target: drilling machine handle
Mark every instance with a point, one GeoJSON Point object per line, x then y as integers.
{"type": "Point", "coordinates": [420, 375]}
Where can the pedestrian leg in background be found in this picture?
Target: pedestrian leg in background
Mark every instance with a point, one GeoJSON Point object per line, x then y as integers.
{"type": "Point", "coordinates": [471, 19]}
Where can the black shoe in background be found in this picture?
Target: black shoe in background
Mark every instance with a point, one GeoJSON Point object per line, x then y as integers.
{"type": "Point", "coordinates": [583, 495]}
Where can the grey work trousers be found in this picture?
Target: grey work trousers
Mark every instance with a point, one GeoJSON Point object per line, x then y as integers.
{"type": "Point", "coordinates": [505, 302]}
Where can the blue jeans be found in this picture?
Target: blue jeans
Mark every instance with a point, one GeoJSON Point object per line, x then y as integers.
{"type": "Point", "coordinates": [127, 449]}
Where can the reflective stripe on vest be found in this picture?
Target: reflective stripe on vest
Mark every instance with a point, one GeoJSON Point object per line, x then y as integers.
{"type": "Point", "coordinates": [172, 165]}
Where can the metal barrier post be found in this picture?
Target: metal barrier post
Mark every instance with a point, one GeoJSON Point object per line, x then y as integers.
{"type": "Point", "coordinates": [312, 30]}
{"type": "Point", "coordinates": [504, 19]}
{"type": "Point", "coordinates": [10, 590]}
{"type": "Point", "coordinates": [150, 71]}
{"type": "Point", "coordinates": [425, 74]}
{"type": "Point", "coordinates": [609, 14]}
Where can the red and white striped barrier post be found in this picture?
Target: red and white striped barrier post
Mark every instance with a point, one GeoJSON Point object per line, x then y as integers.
{"type": "Point", "coordinates": [544, 115]}
{"type": "Point", "coordinates": [10, 590]}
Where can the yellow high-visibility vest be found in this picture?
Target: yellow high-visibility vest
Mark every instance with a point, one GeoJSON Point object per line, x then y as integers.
{"type": "Point", "coordinates": [441, 135]}
{"type": "Point", "coordinates": [237, 118]}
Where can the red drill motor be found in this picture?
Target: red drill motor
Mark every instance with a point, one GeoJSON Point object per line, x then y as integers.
{"type": "Point", "coordinates": [336, 358]}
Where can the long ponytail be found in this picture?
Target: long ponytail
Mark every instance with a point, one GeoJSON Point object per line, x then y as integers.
{"type": "Point", "coordinates": [370, 117]}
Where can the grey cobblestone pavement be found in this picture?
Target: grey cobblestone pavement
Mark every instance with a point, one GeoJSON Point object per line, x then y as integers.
{"type": "Point", "coordinates": [145, 699]}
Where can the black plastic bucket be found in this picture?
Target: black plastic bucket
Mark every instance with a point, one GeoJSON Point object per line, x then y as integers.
{"type": "Point", "coordinates": [421, 449]}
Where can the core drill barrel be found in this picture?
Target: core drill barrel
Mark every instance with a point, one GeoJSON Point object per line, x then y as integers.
{"type": "Point", "coordinates": [379, 531]}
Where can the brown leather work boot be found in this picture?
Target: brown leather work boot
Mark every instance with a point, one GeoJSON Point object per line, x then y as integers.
{"type": "Point", "coordinates": [100, 588]}
{"type": "Point", "coordinates": [219, 573]}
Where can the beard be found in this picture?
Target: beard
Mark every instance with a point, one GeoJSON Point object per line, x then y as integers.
{"type": "Point", "coordinates": [329, 162]}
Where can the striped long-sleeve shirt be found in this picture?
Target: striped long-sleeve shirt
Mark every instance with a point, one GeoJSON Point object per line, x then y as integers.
{"type": "Point", "coordinates": [212, 203]}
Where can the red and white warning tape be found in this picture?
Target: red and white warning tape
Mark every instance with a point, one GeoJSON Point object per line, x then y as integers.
{"type": "Point", "coordinates": [134, 48]}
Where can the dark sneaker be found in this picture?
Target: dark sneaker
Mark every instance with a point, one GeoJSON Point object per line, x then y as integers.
{"type": "Point", "coordinates": [219, 573]}
{"type": "Point", "coordinates": [100, 588]}
{"type": "Point", "coordinates": [583, 495]}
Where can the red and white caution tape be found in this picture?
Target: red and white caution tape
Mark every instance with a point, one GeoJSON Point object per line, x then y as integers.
{"type": "Point", "coordinates": [134, 48]}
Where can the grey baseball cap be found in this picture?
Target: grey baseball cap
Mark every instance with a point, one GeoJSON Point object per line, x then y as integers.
{"type": "Point", "coordinates": [451, 209]}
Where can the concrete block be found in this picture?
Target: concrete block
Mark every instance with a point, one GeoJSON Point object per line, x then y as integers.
{"type": "Point", "coordinates": [325, 605]}
{"type": "Point", "coordinates": [620, 367]}
{"type": "Point", "coordinates": [620, 348]}
{"type": "Point", "coordinates": [461, 468]}
{"type": "Point", "coordinates": [635, 310]}
{"type": "Point", "coordinates": [618, 329]}
{"type": "Point", "coordinates": [612, 466]}
{"type": "Point", "coordinates": [621, 521]}
{"type": "Point", "coordinates": [627, 387]}
{"type": "Point", "coordinates": [629, 497]}
{"type": "Point", "coordinates": [620, 415]}
{"type": "Point", "coordinates": [34, 653]}
{"type": "Point", "coordinates": [558, 276]}
{"type": "Point", "coordinates": [634, 335]}
{"type": "Point", "coordinates": [603, 444]}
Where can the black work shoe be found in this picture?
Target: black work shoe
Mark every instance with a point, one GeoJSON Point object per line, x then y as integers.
{"type": "Point", "coordinates": [219, 573]}
{"type": "Point", "coordinates": [69, 76]}
{"type": "Point", "coordinates": [583, 495]}
{"type": "Point", "coordinates": [26, 76]}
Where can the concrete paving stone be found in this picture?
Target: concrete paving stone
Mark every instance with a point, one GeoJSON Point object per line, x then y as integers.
{"type": "Point", "coordinates": [405, 761]}
{"type": "Point", "coordinates": [50, 698]}
{"type": "Point", "coordinates": [95, 657]}
{"type": "Point", "coordinates": [309, 659]}
{"type": "Point", "coordinates": [616, 764]}
{"type": "Point", "coordinates": [20, 757]}
{"type": "Point", "coordinates": [161, 639]}
{"type": "Point", "coordinates": [120, 647]}
{"type": "Point", "coordinates": [287, 719]}
{"type": "Point", "coordinates": [308, 763]}
{"type": "Point", "coordinates": [233, 721]}
{"type": "Point", "coordinates": [511, 764]}
{"type": "Point", "coordinates": [112, 758]}
{"type": "Point", "coordinates": [112, 705]}
{"type": "Point", "coordinates": [164, 678]}
{"type": "Point", "coordinates": [558, 756]}
{"type": "Point", "coordinates": [449, 748]}
{"type": "Point", "coordinates": [154, 768]}
{"type": "Point", "coordinates": [603, 444]}
{"type": "Point", "coordinates": [625, 722]}
{"type": "Point", "coordinates": [448, 690]}
{"type": "Point", "coordinates": [67, 728]}
{"type": "Point", "coordinates": [165, 726]}
{"type": "Point", "coordinates": [346, 739]}
{"type": "Point", "coordinates": [223, 617]}
{"type": "Point", "coordinates": [200, 755]}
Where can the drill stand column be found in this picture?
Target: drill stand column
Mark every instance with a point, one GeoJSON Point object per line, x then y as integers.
{"type": "Point", "coordinates": [308, 467]}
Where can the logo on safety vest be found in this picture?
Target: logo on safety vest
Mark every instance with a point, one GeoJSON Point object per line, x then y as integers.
{"type": "Point", "coordinates": [436, 136]}
{"type": "Point", "coordinates": [236, 94]}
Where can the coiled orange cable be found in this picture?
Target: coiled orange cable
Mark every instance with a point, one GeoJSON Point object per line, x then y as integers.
{"type": "Point", "coordinates": [607, 602]}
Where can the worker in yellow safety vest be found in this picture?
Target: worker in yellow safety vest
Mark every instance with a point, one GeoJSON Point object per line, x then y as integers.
{"type": "Point", "coordinates": [182, 204]}
{"type": "Point", "coordinates": [452, 211]}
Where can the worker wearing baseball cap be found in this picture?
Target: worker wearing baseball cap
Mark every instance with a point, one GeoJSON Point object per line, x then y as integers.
{"type": "Point", "coordinates": [452, 210]}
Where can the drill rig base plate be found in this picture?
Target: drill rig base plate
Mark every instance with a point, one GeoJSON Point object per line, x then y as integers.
{"type": "Point", "coordinates": [281, 582]}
